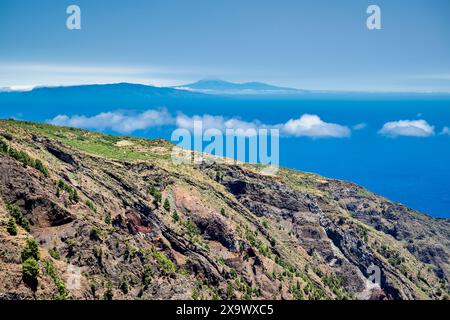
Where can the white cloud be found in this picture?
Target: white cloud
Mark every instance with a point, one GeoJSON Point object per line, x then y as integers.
{"type": "Point", "coordinates": [410, 128]}
{"type": "Point", "coordinates": [116, 121]}
{"type": "Point", "coordinates": [218, 122]}
{"type": "Point", "coordinates": [359, 126]}
{"type": "Point", "coordinates": [445, 131]}
{"type": "Point", "coordinates": [306, 126]}
{"type": "Point", "coordinates": [215, 122]}
{"type": "Point", "coordinates": [312, 126]}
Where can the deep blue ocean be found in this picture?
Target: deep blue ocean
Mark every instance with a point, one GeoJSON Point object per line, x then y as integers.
{"type": "Point", "coordinates": [413, 171]}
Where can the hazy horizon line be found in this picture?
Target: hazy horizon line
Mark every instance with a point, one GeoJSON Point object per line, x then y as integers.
{"type": "Point", "coordinates": [27, 88]}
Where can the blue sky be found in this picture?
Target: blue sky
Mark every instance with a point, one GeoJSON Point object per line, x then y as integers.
{"type": "Point", "coordinates": [305, 44]}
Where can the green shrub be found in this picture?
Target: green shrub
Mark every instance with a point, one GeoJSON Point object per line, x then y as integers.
{"type": "Point", "coordinates": [191, 228]}
{"type": "Point", "coordinates": [219, 176]}
{"type": "Point", "coordinates": [124, 284]}
{"type": "Point", "coordinates": [30, 272]}
{"type": "Point", "coordinates": [70, 247]}
{"type": "Point", "coordinates": [108, 218]}
{"type": "Point", "coordinates": [91, 206]}
{"type": "Point", "coordinates": [175, 216]}
{"type": "Point", "coordinates": [93, 286]}
{"type": "Point", "coordinates": [250, 237]}
{"type": "Point", "coordinates": [19, 217]}
{"type": "Point", "coordinates": [230, 292]}
{"type": "Point", "coordinates": [61, 184]}
{"type": "Point", "coordinates": [98, 253]}
{"type": "Point", "coordinates": [54, 253]}
{"type": "Point", "coordinates": [166, 205]}
{"type": "Point", "coordinates": [195, 294]}
{"type": "Point", "coordinates": [40, 166]}
{"type": "Point", "coordinates": [296, 291]}
{"type": "Point", "coordinates": [147, 275]}
{"type": "Point", "coordinates": [11, 227]}
{"type": "Point", "coordinates": [4, 147]}
{"type": "Point", "coordinates": [95, 234]}
{"type": "Point", "coordinates": [108, 295]}
{"type": "Point", "coordinates": [156, 194]}
{"type": "Point", "coordinates": [163, 261]}
{"type": "Point", "coordinates": [73, 194]}
{"type": "Point", "coordinates": [31, 250]}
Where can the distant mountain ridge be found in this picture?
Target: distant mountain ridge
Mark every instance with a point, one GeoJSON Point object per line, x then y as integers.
{"type": "Point", "coordinates": [216, 86]}
{"type": "Point", "coordinates": [91, 99]}
{"type": "Point", "coordinates": [42, 101]}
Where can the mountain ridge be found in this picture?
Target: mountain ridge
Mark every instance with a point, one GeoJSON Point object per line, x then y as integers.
{"type": "Point", "coordinates": [216, 86]}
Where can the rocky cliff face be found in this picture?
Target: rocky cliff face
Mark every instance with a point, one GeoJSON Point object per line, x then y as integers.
{"type": "Point", "coordinates": [114, 218]}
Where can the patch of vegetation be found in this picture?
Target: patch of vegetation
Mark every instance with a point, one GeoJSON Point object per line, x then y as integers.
{"type": "Point", "coordinates": [91, 206]}
{"type": "Point", "coordinates": [156, 194]}
{"type": "Point", "coordinates": [194, 234]}
{"type": "Point", "coordinates": [195, 295]}
{"type": "Point", "coordinates": [147, 275]}
{"type": "Point", "coordinates": [191, 228]}
{"type": "Point", "coordinates": [94, 143]}
{"type": "Point", "coordinates": [108, 295]}
{"type": "Point", "coordinates": [166, 265]}
{"type": "Point", "coordinates": [264, 249]}
{"type": "Point", "coordinates": [53, 273]}
{"type": "Point", "coordinates": [183, 271]}
{"type": "Point", "coordinates": [98, 253]}
{"type": "Point", "coordinates": [41, 167]}
{"type": "Point", "coordinates": [296, 291]}
{"type": "Point", "coordinates": [166, 205]}
{"type": "Point", "coordinates": [23, 157]}
{"type": "Point", "coordinates": [248, 291]}
{"type": "Point", "coordinates": [250, 236]}
{"type": "Point", "coordinates": [124, 284]}
{"type": "Point", "coordinates": [70, 247]}
{"type": "Point", "coordinates": [73, 194]}
{"type": "Point", "coordinates": [18, 216]}
{"type": "Point", "coordinates": [95, 234]}
{"type": "Point", "coordinates": [130, 251]}
{"type": "Point", "coordinates": [363, 233]}
{"type": "Point", "coordinates": [286, 266]}
{"type": "Point", "coordinates": [30, 264]}
{"type": "Point", "coordinates": [31, 250]}
{"type": "Point", "coordinates": [391, 255]}
{"type": "Point", "coordinates": [175, 216]}
{"type": "Point", "coordinates": [364, 193]}
{"type": "Point", "coordinates": [219, 176]}
{"type": "Point", "coordinates": [11, 226]}
{"type": "Point", "coordinates": [54, 253]}
{"type": "Point", "coordinates": [93, 286]}
{"type": "Point", "coordinates": [30, 272]}
{"type": "Point", "coordinates": [335, 283]}
{"type": "Point", "coordinates": [108, 218]}
{"type": "Point", "coordinates": [222, 212]}
{"type": "Point", "coordinates": [230, 292]}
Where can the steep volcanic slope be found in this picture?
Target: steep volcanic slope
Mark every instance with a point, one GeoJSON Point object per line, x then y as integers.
{"type": "Point", "coordinates": [114, 218]}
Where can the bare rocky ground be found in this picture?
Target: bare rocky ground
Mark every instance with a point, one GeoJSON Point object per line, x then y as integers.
{"type": "Point", "coordinates": [133, 225]}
